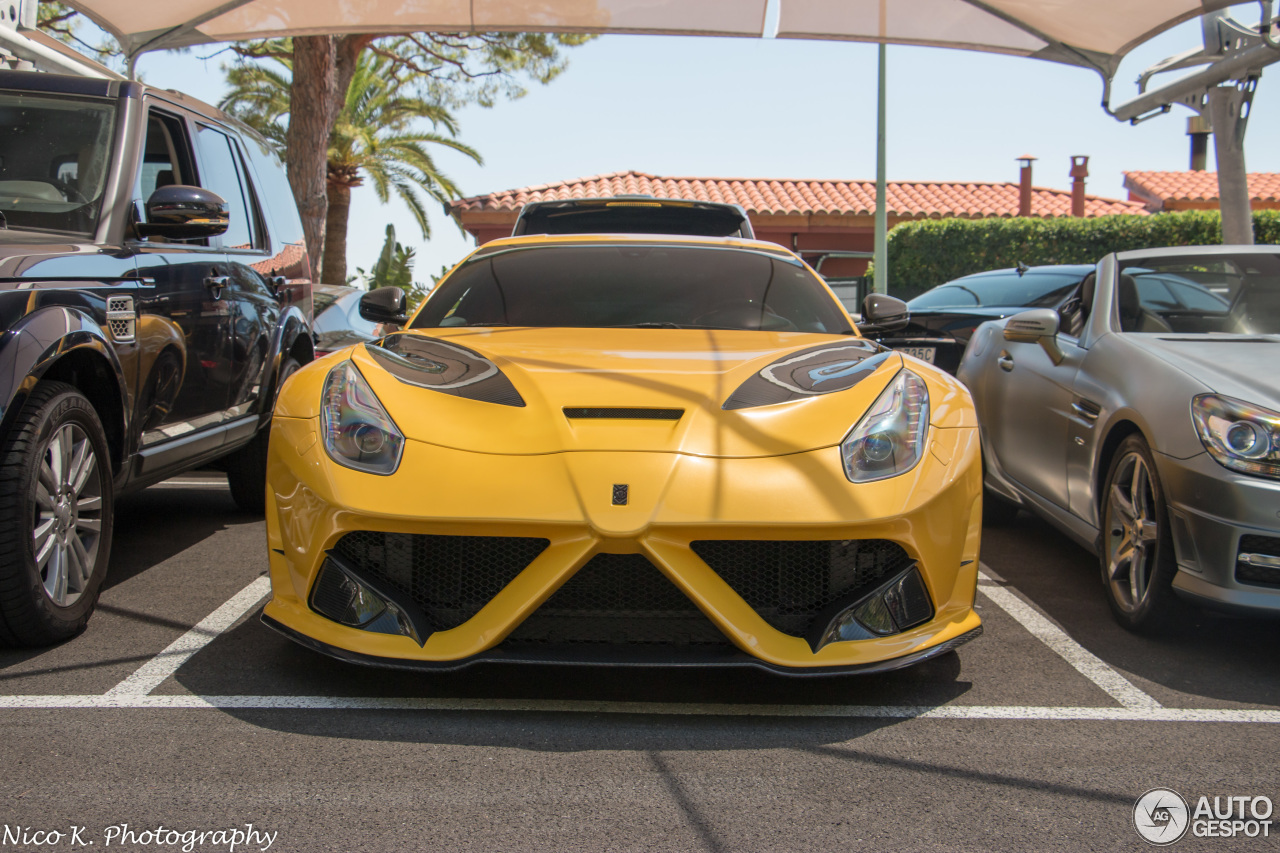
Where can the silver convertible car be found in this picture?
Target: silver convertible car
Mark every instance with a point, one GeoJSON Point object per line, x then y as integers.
{"type": "Point", "coordinates": [1143, 419]}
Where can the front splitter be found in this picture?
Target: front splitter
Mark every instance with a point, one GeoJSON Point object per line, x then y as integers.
{"type": "Point", "coordinates": [625, 656]}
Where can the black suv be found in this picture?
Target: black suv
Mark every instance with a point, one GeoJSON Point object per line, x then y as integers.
{"type": "Point", "coordinates": [154, 293]}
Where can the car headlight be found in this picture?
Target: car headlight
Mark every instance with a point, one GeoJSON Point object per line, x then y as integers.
{"type": "Point", "coordinates": [358, 432]}
{"type": "Point", "coordinates": [889, 439]}
{"type": "Point", "coordinates": [1238, 435]}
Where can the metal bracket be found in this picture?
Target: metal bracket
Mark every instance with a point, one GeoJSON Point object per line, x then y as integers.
{"type": "Point", "coordinates": [1232, 51]}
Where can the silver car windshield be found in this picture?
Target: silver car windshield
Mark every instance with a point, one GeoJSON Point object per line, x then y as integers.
{"type": "Point", "coordinates": [1201, 294]}
{"type": "Point", "coordinates": [54, 154]}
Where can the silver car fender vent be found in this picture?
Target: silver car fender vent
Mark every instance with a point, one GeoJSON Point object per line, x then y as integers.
{"type": "Point", "coordinates": [122, 319]}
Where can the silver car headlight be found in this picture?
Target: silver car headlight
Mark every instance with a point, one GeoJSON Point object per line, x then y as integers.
{"type": "Point", "coordinates": [890, 438]}
{"type": "Point", "coordinates": [1238, 435]}
{"type": "Point", "coordinates": [358, 432]}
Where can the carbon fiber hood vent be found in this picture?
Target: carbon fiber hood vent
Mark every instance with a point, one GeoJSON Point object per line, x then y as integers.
{"type": "Point", "coordinates": [809, 373]}
{"type": "Point", "coordinates": [444, 367]}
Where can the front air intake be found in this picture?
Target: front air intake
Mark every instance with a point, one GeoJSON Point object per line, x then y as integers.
{"type": "Point", "coordinates": [623, 414]}
{"type": "Point", "coordinates": [618, 599]}
{"type": "Point", "coordinates": [448, 577]}
{"type": "Point", "coordinates": [791, 584]}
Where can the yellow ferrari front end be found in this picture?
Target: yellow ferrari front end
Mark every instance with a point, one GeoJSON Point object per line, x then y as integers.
{"type": "Point", "coordinates": [628, 450]}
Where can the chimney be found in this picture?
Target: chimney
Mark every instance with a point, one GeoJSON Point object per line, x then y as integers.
{"type": "Point", "coordinates": [1024, 185]}
{"type": "Point", "coordinates": [1079, 171]}
{"type": "Point", "coordinates": [1198, 128]}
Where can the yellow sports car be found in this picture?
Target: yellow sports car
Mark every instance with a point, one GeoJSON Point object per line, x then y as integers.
{"type": "Point", "coordinates": [625, 449]}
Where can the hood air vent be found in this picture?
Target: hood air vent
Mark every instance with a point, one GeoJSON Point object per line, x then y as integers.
{"type": "Point", "coordinates": [624, 414]}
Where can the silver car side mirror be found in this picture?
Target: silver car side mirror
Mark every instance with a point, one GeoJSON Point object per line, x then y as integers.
{"type": "Point", "coordinates": [1037, 326]}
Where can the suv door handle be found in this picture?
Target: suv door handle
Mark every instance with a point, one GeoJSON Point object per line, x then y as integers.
{"type": "Point", "coordinates": [215, 283]}
{"type": "Point", "coordinates": [1005, 361]}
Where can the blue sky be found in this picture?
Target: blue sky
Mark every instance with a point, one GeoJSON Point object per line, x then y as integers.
{"type": "Point", "coordinates": [765, 108]}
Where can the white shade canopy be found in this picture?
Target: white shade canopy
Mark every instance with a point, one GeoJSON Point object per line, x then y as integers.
{"type": "Point", "coordinates": [1092, 33]}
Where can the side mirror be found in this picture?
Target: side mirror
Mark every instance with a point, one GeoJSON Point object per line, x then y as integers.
{"type": "Point", "coordinates": [178, 212]}
{"type": "Point", "coordinates": [384, 305]}
{"type": "Point", "coordinates": [881, 313]}
{"type": "Point", "coordinates": [1037, 326]}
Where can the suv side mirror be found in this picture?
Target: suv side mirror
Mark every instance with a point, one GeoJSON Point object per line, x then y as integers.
{"type": "Point", "coordinates": [881, 313]}
{"type": "Point", "coordinates": [179, 212]}
{"type": "Point", "coordinates": [384, 305]}
{"type": "Point", "coordinates": [1037, 326]}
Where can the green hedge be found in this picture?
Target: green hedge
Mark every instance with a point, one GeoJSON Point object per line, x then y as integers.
{"type": "Point", "coordinates": [927, 253]}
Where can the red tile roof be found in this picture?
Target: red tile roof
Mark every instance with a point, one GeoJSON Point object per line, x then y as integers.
{"type": "Point", "coordinates": [1197, 186]}
{"type": "Point", "coordinates": [912, 199]}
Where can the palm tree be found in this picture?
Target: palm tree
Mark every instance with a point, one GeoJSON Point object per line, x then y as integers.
{"type": "Point", "coordinates": [374, 137]}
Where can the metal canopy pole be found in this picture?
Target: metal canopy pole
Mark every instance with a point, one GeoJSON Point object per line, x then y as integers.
{"type": "Point", "coordinates": [881, 284]}
{"type": "Point", "coordinates": [1222, 94]}
{"type": "Point", "coordinates": [1227, 106]}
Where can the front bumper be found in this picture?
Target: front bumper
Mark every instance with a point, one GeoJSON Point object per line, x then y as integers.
{"type": "Point", "coordinates": [1217, 515]}
{"type": "Point", "coordinates": [933, 513]}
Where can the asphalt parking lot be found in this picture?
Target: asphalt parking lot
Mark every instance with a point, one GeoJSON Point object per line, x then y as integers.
{"type": "Point", "coordinates": [177, 712]}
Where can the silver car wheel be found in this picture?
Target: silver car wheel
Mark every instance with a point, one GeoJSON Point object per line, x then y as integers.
{"type": "Point", "coordinates": [1132, 533]}
{"type": "Point", "coordinates": [68, 515]}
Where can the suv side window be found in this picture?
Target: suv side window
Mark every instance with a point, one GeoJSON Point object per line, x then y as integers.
{"type": "Point", "coordinates": [166, 157]}
{"type": "Point", "coordinates": [223, 176]}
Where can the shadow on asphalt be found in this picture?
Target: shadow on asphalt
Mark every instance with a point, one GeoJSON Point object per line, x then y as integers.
{"type": "Point", "coordinates": [156, 524]}
{"type": "Point", "coordinates": [1213, 656]}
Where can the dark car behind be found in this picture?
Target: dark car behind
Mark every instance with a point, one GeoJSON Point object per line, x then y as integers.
{"type": "Point", "coordinates": [944, 318]}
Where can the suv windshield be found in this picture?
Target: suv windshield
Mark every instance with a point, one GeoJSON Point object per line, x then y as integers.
{"type": "Point", "coordinates": [1235, 294]}
{"type": "Point", "coordinates": [644, 285]}
{"type": "Point", "coordinates": [53, 160]}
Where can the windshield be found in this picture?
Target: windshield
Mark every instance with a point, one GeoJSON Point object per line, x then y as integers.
{"type": "Point", "coordinates": [1031, 289]}
{"type": "Point", "coordinates": [1198, 294]}
{"type": "Point", "coordinates": [54, 155]}
{"type": "Point", "coordinates": [644, 285]}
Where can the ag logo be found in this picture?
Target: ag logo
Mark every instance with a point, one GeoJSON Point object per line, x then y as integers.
{"type": "Point", "coordinates": [1161, 816]}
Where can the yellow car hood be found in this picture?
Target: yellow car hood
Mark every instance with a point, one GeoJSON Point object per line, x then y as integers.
{"type": "Point", "coordinates": [691, 370]}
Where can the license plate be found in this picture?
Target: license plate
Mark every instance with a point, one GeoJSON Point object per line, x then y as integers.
{"type": "Point", "coordinates": [922, 353]}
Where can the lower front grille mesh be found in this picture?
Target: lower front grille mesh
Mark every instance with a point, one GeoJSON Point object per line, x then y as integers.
{"type": "Point", "coordinates": [1258, 575]}
{"type": "Point", "coordinates": [789, 583]}
{"type": "Point", "coordinates": [618, 599]}
{"type": "Point", "coordinates": [449, 577]}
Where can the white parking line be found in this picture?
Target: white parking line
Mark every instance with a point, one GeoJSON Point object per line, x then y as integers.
{"type": "Point", "coordinates": [895, 712]}
{"type": "Point", "coordinates": [1085, 662]}
{"type": "Point", "coordinates": [151, 674]}
{"type": "Point", "coordinates": [135, 691]}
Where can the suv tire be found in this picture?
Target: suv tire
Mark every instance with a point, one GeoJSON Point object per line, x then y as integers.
{"type": "Point", "coordinates": [55, 516]}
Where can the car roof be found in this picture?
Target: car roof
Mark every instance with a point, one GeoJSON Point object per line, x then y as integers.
{"type": "Point", "coordinates": [643, 214]}
{"type": "Point", "coordinates": [1183, 251]}
{"type": "Point", "coordinates": [533, 240]}
{"type": "Point", "coordinates": [70, 84]}
{"type": "Point", "coordinates": [335, 289]}
{"type": "Point", "coordinates": [1059, 269]}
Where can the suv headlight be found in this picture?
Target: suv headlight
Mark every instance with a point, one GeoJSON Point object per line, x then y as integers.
{"type": "Point", "coordinates": [889, 439]}
{"type": "Point", "coordinates": [1239, 436]}
{"type": "Point", "coordinates": [358, 432]}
